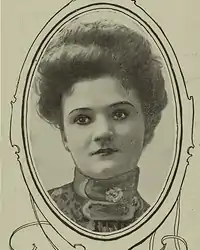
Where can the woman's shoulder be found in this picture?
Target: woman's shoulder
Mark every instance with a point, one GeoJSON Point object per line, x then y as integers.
{"type": "Point", "coordinates": [63, 192]}
{"type": "Point", "coordinates": [67, 201]}
{"type": "Point", "coordinates": [141, 206]}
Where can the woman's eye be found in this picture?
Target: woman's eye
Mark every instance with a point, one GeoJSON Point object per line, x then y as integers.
{"type": "Point", "coordinates": [120, 115]}
{"type": "Point", "coordinates": [82, 120]}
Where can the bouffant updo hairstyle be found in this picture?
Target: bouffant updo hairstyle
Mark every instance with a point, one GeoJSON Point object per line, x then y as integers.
{"type": "Point", "coordinates": [92, 50]}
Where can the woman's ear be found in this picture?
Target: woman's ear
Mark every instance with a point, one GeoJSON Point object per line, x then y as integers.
{"type": "Point", "coordinates": [64, 140]}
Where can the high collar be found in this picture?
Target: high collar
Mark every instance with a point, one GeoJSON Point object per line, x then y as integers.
{"type": "Point", "coordinates": [98, 189]}
{"type": "Point", "coordinates": [111, 199]}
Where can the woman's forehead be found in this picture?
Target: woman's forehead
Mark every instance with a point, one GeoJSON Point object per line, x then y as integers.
{"type": "Point", "coordinates": [97, 93]}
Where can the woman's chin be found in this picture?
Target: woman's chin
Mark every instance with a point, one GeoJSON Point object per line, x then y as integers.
{"type": "Point", "coordinates": [104, 170]}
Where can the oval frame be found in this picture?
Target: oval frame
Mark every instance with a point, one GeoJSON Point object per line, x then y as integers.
{"type": "Point", "coordinates": [158, 212]}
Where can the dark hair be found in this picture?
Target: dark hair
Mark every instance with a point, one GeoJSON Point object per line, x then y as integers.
{"type": "Point", "coordinates": [96, 49]}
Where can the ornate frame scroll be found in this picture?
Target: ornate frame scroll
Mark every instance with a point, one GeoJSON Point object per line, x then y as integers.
{"type": "Point", "coordinates": [47, 215]}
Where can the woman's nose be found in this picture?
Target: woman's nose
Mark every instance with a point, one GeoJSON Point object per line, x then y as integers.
{"type": "Point", "coordinates": [103, 130]}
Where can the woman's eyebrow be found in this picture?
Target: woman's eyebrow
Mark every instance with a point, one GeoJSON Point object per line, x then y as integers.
{"type": "Point", "coordinates": [80, 110]}
{"type": "Point", "coordinates": [113, 105]}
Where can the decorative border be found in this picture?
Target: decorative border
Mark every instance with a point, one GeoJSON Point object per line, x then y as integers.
{"type": "Point", "coordinates": [34, 202]}
{"type": "Point", "coordinates": [28, 153]}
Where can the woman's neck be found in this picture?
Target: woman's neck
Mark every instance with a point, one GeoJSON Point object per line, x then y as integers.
{"type": "Point", "coordinates": [98, 190]}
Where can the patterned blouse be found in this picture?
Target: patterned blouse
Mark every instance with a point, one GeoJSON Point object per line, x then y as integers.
{"type": "Point", "coordinates": [101, 205]}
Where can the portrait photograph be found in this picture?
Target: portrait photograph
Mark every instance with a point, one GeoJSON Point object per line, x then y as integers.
{"type": "Point", "coordinates": [101, 105]}
{"type": "Point", "coordinates": [102, 118]}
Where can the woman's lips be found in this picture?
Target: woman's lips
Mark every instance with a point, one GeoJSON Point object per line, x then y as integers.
{"type": "Point", "coordinates": [105, 151]}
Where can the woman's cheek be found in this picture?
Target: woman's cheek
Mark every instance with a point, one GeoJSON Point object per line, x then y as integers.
{"type": "Point", "coordinates": [131, 134]}
{"type": "Point", "coordinates": [127, 129]}
{"type": "Point", "coordinates": [81, 137]}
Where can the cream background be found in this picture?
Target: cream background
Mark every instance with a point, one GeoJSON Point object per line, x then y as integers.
{"type": "Point", "coordinates": [21, 22]}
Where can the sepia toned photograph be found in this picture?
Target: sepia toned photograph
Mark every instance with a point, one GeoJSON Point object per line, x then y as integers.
{"type": "Point", "coordinates": [101, 125]}
{"type": "Point", "coordinates": [101, 89]}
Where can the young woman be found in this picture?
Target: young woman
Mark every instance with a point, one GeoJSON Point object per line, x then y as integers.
{"type": "Point", "coordinates": [101, 85]}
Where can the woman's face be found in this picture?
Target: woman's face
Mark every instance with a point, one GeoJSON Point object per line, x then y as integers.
{"type": "Point", "coordinates": [103, 127]}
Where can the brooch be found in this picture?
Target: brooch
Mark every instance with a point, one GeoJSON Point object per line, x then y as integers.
{"type": "Point", "coordinates": [114, 194]}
